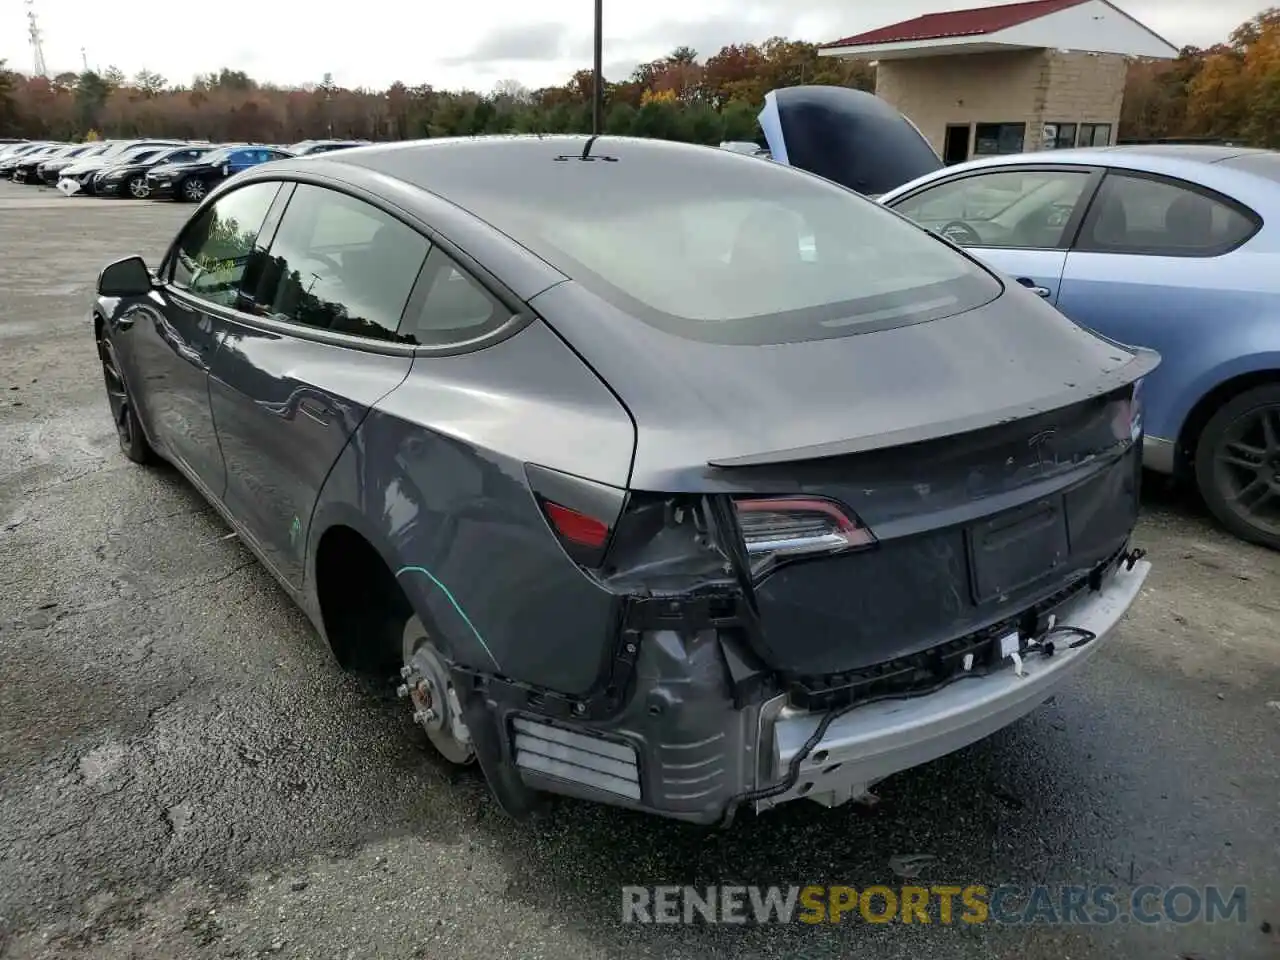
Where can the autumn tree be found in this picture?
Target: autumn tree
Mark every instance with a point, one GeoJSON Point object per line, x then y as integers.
{"type": "Point", "coordinates": [734, 74]}
{"type": "Point", "coordinates": [10, 115]}
{"type": "Point", "coordinates": [1230, 90]}
{"type": "Point", "coordinates": [148, 83]}
{"type": "Point", "coordinates": [90, 97]}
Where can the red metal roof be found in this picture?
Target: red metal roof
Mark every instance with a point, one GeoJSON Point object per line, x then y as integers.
{"type": "Point", "coordinates": [959, 23]}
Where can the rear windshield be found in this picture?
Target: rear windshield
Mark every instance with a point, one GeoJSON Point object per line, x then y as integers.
{"type": "Point", "coordinates": [734, 249]}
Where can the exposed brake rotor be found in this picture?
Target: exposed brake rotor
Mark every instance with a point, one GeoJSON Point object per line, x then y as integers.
{"type": "Point", "coordinates": [436, 707]}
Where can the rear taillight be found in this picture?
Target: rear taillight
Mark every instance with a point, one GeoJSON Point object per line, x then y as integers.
{"type": "Point", "coordinates": [584, 538]}
{"type": "Point", "coordinates": [779, 527]}
{"type": "Point", "coordinates": [576, 527]}
{"type": "Point", "coordinates": [581, 513]}
{"type": "Point", "coordinates": [1126, 424]}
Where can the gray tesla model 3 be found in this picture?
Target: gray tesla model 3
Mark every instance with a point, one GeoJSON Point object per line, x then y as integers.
{"type": "Point", "coordinates": [661, 475]}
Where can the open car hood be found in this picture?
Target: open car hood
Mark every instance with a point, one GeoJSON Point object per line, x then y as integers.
{"type": "Point", "coordinates": [848, 136]}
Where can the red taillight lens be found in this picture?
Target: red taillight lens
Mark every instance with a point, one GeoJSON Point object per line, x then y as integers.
{"type": "Point", "coordinates": [1126, 424]}
{"type": "Point", "coordinates": [577, 528]}
{"type": "Point", "coordinates": [790, 526]}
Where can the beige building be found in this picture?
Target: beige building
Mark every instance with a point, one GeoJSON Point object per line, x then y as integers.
{"type": "Point", "coordinates": [1045, 74]}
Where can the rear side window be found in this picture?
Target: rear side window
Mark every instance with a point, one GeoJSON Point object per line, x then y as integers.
{"type": "Point", "coordinates": [215, 247]}
{"type": "Point", "coordinates": [455, 308]}
{"type": "Point", "coordinates": [1153, 216]}
{"type": "Point", "coordinates": [338, 263]}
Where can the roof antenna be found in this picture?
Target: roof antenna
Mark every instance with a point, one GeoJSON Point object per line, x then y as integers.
{"type": "Point", "coordinates": [597, 72]}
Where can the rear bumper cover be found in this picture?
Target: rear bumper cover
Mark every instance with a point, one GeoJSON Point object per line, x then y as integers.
{"type": "Point", "coordinates": [683, 750]}
{"type": "Point", "coordinates": [872, 742]}
{"type": "Point", "coordinates": [1158, 454]}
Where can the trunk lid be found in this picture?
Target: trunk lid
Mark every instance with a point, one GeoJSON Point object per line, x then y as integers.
{"type": "Point", "coordinates": [705, 411]}
{"type": "Point", "coordinates": [970, 532]}
{"type": "Point", "coordinates": [993, 455]}
{"type": "Point", "coordinates": [848, 136]}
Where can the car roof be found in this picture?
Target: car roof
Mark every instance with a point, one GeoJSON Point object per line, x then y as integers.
{"type": "Point", "coordinates": [456, 167]}
{"type": "Point", "coordinates": [1140, 155]}
{"type": "Point", "coordinates": [1235, 170]}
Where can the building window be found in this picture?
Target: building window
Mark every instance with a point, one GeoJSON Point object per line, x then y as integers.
{"type": "Point", "coordinates": [993, 138]}
{"type": "Point", "coordinates": [1059, 136]}
{"type": "Point", "coordinates": [1094, 135]}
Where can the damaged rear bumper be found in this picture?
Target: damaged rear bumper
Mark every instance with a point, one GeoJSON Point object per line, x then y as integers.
{"type": "Point", "coordinates": [874, 741]}
{"type": "Point", "coordinates": [682, 748]}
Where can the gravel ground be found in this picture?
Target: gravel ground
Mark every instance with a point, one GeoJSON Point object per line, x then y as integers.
{"type": "Point", "coordinates": [184, 772]}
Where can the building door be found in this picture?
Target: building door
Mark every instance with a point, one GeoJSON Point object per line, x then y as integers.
{"type": "Point", "coordinates": [955, 148]}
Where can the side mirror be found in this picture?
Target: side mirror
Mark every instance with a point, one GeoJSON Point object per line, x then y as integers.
{"type": "Point", "coordinates": [125, 278]}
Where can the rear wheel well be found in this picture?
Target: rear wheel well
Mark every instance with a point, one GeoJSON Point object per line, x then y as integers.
{"type": "Point", "coordinates": [1204, 410]}
{"type": "Point", "coordinates": [362, 606]}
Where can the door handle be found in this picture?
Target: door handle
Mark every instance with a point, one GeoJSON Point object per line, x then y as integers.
{"type": "Point", "coordinates": [1035, 288]}
{"type": "Point", "coordinates": [315, 411]}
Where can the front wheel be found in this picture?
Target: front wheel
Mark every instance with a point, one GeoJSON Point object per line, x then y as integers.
{"type": "Point", "coordinates": [133, 442]}
{"type": "Point", "coordinates": [1237, 463]}
{"type": "Point", "coordinates": [429, 689]}
{"type": "Point", "coordinates": [137, 187]}
{"type": "Point", "coordinates": [193, 189]}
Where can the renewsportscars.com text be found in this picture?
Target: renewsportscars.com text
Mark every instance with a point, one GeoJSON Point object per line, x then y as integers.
{"type": "Point", "coordinates": [935, 904]}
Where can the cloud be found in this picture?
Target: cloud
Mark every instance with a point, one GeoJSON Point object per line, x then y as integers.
{"type": "Point", "coordinates": [532, 42]}
{"type": "Point", "coordinates": [454, 45]}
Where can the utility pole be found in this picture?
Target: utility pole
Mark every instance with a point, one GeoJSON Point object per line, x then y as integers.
{"type": "Point", "coordinates": [37, 46]}
{"type": "Point", "coordinates": [327, 83]}
{"type": "Point", "coordinates": [597, 92]}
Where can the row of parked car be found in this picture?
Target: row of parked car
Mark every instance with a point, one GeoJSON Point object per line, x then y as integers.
{"type": "Point", "coordinates": [143, 168]}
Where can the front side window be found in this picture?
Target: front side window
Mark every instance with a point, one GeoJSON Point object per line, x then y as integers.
{"type": "Point", "coordinates": [338, 263]}
{"type": "Point", "coordinates": [1147, 215]}
{"type": "Point", "coordinates": [1025, 209]}
{"type": "Point", "coordinates": [215, 248]}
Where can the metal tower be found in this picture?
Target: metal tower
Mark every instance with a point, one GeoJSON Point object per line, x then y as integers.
{"type": "Point", "coordinates": [37, 49]}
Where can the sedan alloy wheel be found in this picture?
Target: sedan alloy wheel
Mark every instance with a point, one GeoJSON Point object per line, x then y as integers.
{"type": "Point", "coordinates": [1238, 465]}
{"type": "Point", "coordinates": [128, 429]}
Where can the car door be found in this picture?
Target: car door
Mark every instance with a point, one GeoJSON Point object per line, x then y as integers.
{"type": "Point", "coordinates": [1154, 266]}
{"type": "Point", "coordinates": [313, 346]}
{"type": "Point", "coordinates": [170, 344]}
{"type": "Point", "coordinates": [1019, 219]}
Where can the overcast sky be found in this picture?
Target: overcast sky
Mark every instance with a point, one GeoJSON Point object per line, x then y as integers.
{"type": "Point", "coordinates": [475, 43]}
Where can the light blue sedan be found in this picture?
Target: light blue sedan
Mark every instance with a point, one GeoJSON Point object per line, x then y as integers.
{"type": "Point", "coordinates": [1171, 247]}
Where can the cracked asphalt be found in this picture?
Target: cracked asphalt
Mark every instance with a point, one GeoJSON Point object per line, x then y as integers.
{"type": "Point", "coordinates": [185, 773]}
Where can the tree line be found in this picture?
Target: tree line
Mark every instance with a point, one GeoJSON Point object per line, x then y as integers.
{"type": "Point", "coordinates": [1230, 90]}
